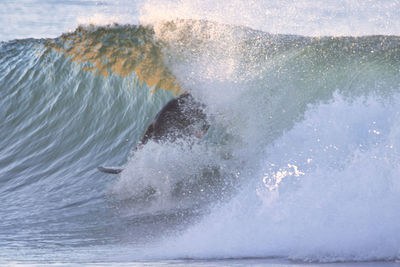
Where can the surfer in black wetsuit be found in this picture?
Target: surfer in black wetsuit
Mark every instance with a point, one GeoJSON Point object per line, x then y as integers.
{"type": "Point", "coordinates": [180, 117]}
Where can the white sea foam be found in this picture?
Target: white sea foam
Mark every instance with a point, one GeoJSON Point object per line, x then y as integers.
{"type": "Point", "coordinates": [327, 190]}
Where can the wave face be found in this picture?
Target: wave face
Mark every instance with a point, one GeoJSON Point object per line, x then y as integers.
{"type": "Point", "coordinates": [301, 160]}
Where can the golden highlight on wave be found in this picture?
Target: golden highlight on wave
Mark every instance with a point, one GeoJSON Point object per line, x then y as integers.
{"type": "Point", "coordinates": [119, 50]}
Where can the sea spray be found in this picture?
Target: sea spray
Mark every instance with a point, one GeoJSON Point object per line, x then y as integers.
{"type": "Point", "coordinates": [302, 17]}
{"type": "Point", "coordinates": [327, 190]}
{"type": "Point", "coordinates": [314, 131]}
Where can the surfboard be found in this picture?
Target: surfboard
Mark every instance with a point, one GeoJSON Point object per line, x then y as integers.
{"type": "Point", "coordinates": [111, 170]}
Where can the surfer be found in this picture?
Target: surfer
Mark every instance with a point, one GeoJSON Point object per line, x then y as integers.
{"type": "Point", "coordinates": [181, 117]}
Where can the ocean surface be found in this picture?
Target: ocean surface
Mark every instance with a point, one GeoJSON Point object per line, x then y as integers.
{"type": "Point", "coordinates": [300, 165]}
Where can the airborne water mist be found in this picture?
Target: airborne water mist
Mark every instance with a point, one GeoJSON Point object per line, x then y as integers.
{"type": "Point", "coordinates": [327, 190]}
{"type": "Point", "coordinates": [312, 146]}
{"type": "Point", "coordinates": [302, 17]}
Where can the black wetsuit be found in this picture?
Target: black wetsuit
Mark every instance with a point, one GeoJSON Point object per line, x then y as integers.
{"type": "Point", "coordinates": [180, 117]}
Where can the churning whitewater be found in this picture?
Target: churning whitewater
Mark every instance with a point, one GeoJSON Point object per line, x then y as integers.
{"type": "Point", "coordinates": [301, 160]}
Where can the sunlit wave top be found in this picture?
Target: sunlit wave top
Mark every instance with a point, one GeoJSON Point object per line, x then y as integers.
{"type": "Point", "coordinates": [118, 50]}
